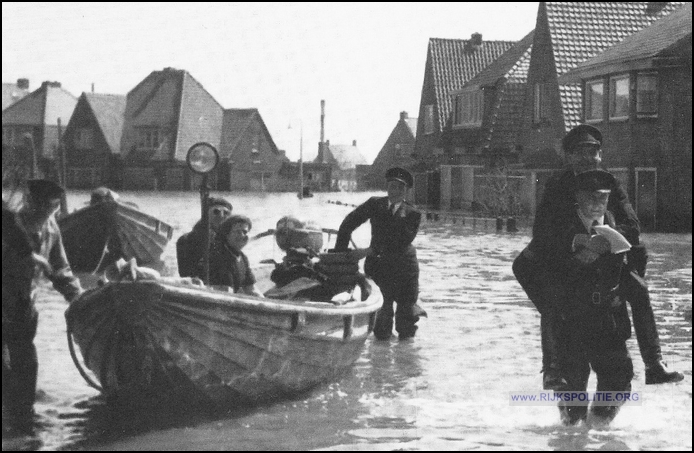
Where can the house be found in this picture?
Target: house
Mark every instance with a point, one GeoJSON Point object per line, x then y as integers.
{"type": "Point", "coordinates": [165, 114]}
{"type": "Point", "coordinates": [344, 160]}
{"type": "Point", "coordinates": [317, 176]}
{"type": "Point", "coordinates": [12, 92]}
{"type": "Point", "coordinates": [92, 141]}
{"type": "Point", "coordinates": [39, 116]}
{"type": "Point", "coordinates": [566, 34]}
{"type": "Point", "coordinates": [486, 117]}
{"type": "Point", "coordinates": [250, 157]}
{"type": "Point", "coordinates": [639, 94]}
{"type": "Point", "coordinates": [397, 151]}
{"type": "Point", "coordinates": [449, 65]}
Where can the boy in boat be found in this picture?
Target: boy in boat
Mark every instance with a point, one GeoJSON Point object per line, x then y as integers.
{"type": "Point", "coordinates": [532, 268]}
{"type": "Point", "coordinates": [593, 321]}
{"type": "Point", "coordinates": [391, 259]}
{"type": "Point", "coordinates": [190, 247]}
{"type": "Point", "coordinates": [229, 266]}
{"type": "Point", "coordinates": [32, 247]}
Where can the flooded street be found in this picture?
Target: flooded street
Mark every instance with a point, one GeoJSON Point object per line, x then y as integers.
{"type": "Point", "coordinates": [446, 390]}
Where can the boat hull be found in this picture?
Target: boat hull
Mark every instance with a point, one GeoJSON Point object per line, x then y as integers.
{"type": "Point", "coordinates": [152, 340]}
{"type": "Point", "coordinates": [100, 234]}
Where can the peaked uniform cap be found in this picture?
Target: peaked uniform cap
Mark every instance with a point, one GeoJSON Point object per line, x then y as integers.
{"type": "Point", "coordinates": [400, 174]}
{"type": "Point", "coordinates": [43, 189]}
{"type": "Point", "coordinates": [583, 134]}
{"type": "Point", "coordinates": [595, 181]}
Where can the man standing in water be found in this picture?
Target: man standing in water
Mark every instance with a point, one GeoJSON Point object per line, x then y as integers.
{"type": "Point", "coordinates": [391, 259]}
{"type": "Point", "coordinates": [583, 150]}
{"type": "Point", "coordinates": [31, 247]}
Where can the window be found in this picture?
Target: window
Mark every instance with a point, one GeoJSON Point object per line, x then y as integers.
{"type": "Point", "coordinates": [595, 94]}
{"type": "Point", "coordinates": [619, 97]}
{"type": "Point", "coordinates": [429, 119]}
{"type": "Point", "coordinates": [148, 138]}
{"type": "Point", "coordinates": [84, 138]}
{"type": "Point", "coordinates": [469, 108]}
{"type": "Point", "coordinates": [540, 102]}
{"type": "Point", "coordinates": [398, 150]}
{"type": "Point", "coordinates": [646, 94]}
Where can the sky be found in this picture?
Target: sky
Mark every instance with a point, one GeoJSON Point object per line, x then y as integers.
{"type": "Point", "coordinates": [366, 60]}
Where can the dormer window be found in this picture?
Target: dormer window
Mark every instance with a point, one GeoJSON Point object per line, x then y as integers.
{"type": "Point", "coordinates": [429, 119]}
{"type": "Point", "coordinates": [469, 107]}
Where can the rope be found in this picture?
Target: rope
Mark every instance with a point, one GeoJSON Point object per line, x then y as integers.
{"type": "Point", "coordinates": [83, 373]}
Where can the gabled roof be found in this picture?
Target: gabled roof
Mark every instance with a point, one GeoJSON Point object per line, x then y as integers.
{"type": "Point", "coordinates": [650, 42]}
{"type": "Point", "coordinates": [234, 125]}
{"type": "Point", "coordinates": [43, 106]}
{"type": "Point", "coordinates": [109, 112]}
{"type": "Point", "coordinates": [581, 30]}
{"type": "Point", "coordinates": [346, 157]}
{"type": "Point", "coordinates": [11, 93]}
{"type": "Point", "coordinates": [514, 63]}
{"type": "Point", "coordinates": [455, 61]}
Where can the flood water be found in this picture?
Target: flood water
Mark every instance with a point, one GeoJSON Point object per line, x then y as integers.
{"type": "Point", "coordinates": [446, 390]}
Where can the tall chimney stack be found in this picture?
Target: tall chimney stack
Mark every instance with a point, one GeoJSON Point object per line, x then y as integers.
{"type": "Point", "coordinates": [322, 120]}
{"type": "Point", "coordinates": [23, 84]}
{"type": "Point", "coordinates": [403, 115]}
{"type": "Point", "coordinates": [92, 87]}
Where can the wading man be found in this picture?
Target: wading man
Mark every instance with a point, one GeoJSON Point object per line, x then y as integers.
{"type": "Point", "coordinates": [391, 259]}
{"type": "Point", "coordinates": [32, 247]}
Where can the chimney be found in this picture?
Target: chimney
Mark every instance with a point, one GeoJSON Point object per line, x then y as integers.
{"type": "Point", "coordinates": [475, 42]}
{"type": "Point", "coordinates": [92, 87]}
{"type": "Point", "coordinates": [403, 115]}
{"type": "Point", "coordinates": [50, 84]}
{"type": "Point", "coordinates": [322, 120]}
{"type": "Point", "coordinates": [354, 143]}
{"type": "Point", "coordinates": [23, 84]}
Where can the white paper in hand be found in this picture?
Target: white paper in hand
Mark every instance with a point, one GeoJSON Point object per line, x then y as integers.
{"type": "Point", "coordinates": [618, 243]}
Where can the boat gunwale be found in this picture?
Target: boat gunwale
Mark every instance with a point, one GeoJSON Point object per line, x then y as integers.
{"type": "Point", "coordinates": [247, 302]}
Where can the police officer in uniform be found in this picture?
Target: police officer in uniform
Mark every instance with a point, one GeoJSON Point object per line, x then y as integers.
{"type": "Point", "coordinates": [583, 149]}
{"type": "Point", "coordinates": [593, 319]}
{"type": "Point", "coordinates": [391, 259]}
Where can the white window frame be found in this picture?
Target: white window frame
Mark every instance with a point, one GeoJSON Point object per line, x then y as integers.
{"type": "Point", "coordinates": [469, 108]}
{"type": "Point", "coordinates": [595, 104]}
{"type": "Point", "coordinates": [429, 119]}
{"type": "Point", "coordinates": [613, 112]}
{"type": "Point", "coordinates": [640, 91]}
{"type": "Point", "coordinates": [539, 101]}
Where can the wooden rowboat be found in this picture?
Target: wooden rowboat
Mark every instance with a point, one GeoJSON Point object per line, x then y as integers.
{"type": "Point", "coordinates": [147, 340]}
{"type": "Point", "coordinates": [100, 234]}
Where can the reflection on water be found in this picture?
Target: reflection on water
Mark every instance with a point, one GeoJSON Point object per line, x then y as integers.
{"type": "Point", "coordinates": [448, 389]}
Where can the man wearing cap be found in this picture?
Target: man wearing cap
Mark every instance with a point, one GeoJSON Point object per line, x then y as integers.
{"type": "Point", "coordinates": [391, 259]}
{"type": "Point", "coordinates": [190, 247]}
{"type": "Point", "coordinates": [583, 150]}
{"type": "Point", "coordinates": [593, 323]}
{"type": "Point", "coordinates": [39, 253]}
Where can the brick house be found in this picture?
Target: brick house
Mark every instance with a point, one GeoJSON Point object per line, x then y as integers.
{"type": "Point", "coordinates": [486, 117]}
{"type": "Point", "coordinates": [250, 156]}
{"type": "Point", "coordinates": [449, 65]}
{"type": "Point", "coordinates": [344, 160]}
{"type": "Point", "coordinates": [165, 114]}
{"type": "Point", "coordinates": [566, 34]}
{"type": "Point", "coordinates": [397, 151]}
{"type": "Point", "coordinates": [92, 141]}
{"type": "Point", "coordinates": [639, 94]}
{"type": "Point", "coordinates": [41, 115]}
